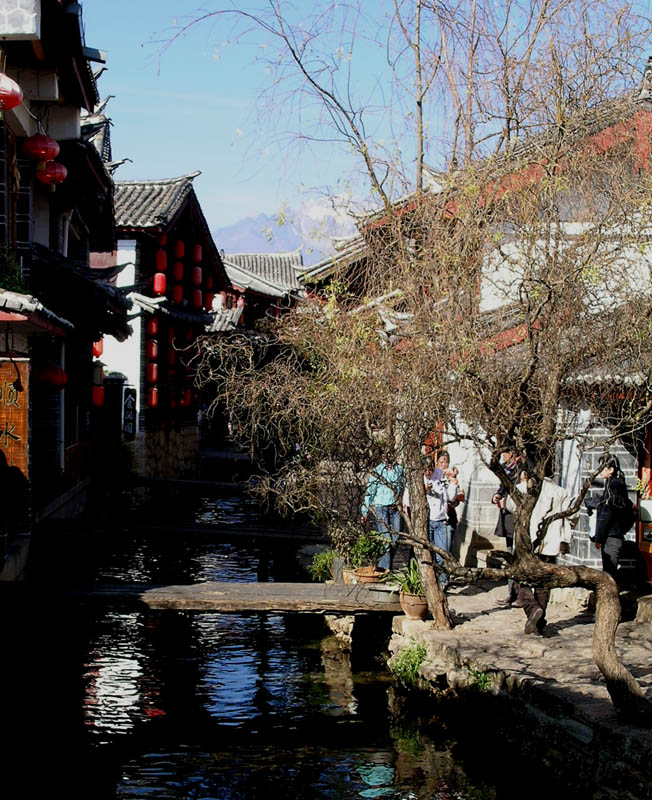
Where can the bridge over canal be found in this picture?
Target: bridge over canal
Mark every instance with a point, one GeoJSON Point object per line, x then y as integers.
{"type": "Point", "coordinates": [237, 598]}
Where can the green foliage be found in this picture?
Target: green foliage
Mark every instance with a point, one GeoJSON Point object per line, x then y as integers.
{"type": "Point", "coordinates": [480, 681]}
{"type": "Point", "coordinates": [408, 579]}
{"type": "Point", "coordinates": [11, 277]}
{"type": "Point", "coordinates": [405, 665]}
{"type": "Point", "coordinates": [368, 548]}
{"type": "Point", "coordinates": [320, 566]}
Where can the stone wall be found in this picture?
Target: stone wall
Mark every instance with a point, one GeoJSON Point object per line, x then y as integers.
{"type": "Point", "coordinates": [170, 454]}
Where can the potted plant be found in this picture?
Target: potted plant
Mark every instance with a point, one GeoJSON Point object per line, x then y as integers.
{"type": "Point", "coordinates": [321, 566]}
{"type": "Point", "coordinates": [411, 596]}
{"type": "Point", "coordinates": [366, 550]}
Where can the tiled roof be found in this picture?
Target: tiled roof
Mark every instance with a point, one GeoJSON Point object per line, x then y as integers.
{"type": "Point", "coordinates": [221, 320]}
{"type": "Point", "coordinates": [26, 304]}
{"type": "Point", "coordinates": [150, 204]}
{"type": "Point", "coordinates": [348, 251]}
{"type": "Point", "coordinates": [275, 269]}
{"type": "Point", "coordinates": [245, 280]}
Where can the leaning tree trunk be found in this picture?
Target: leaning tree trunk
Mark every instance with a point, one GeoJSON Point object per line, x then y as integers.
{"type": "Point", "coordinates": [437, 603]}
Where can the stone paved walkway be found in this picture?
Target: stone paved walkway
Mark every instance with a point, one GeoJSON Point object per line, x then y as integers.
{"type": "Point", "coordinates": [491, 638]}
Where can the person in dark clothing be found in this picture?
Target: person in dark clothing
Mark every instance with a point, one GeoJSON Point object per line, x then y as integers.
{"type": "Point", "coordinates": [512, 465]}
{"type": "Point", "coordinates": [14, 496]}
{"type": "Point", "coordinates": [614, 515]}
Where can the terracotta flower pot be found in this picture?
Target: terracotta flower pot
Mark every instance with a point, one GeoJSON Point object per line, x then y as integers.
{"type": "Point", "coordinates": [368, 574]}
{"type": "Point", "coordinates": [414, 605]}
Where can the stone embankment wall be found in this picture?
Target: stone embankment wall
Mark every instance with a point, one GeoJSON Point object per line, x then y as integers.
{"type": "Point", "coordinates": [170, 454]}
{"type": "Point", "coordinates": [590, 755]}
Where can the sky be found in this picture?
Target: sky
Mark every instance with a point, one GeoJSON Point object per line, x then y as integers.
{"type": "Point", "coordinates": [191, 106]}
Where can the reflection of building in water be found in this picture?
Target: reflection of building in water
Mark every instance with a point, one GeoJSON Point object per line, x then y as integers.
{"type": "Point", "coordinates": [337, 675]}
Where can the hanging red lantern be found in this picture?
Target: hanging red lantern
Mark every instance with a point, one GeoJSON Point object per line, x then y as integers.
{"type": "Point", "coordinates": [41, 147]}
{"type": "Point", "coordinates": [151, 326]}
{"type": "Point", "coordinates": [171, 334]}
{"type": "Point", "coordinates": [177, 270]}
{"type": "Point", "coordinates": [172, 356]}
{"type": "Point", "coordinates": [97, 395]}
{"type": "Point", "coordinates": [162, 239]}
{"type": "Point", "coordinates": [161, 260]}
{"type": "Point", "coordinates": [189, 335]}
{"type": "Point", "coordinates": [196, 254]}
{"type": "Point", "coordinates": [179, 248]}
{"type": "Point", "coordinates": [11, 95]}
{"type": "Point", "coordinates": [50, 374]}
{"type": "Point", "coordinates": [50, 173]}
{"type": "Point", "coordinates": [151, 349]}
{"type": "Point", "coordinates": [151, 372]}
{"type": "Point", "coordinates": [177, 293]}
{"type": "Point", "coordinates": [209, 282]}
{"type": "Point", "coordinates": [98, 348]}
{"type": "Point", "coordinates": [196, 276]}
{"type": "Point", "coordinates": [208, 301]}
{"type": "Point", "coordinates": [171, 375]}
{"type": "Point", "coordinates": [187, 396]}
{"type": "Point", "coordinates": [159, 283]}
{"type": "Point", "coordinates": [151, 398]}
{"type": "Point", "coordinates": [197, 298]}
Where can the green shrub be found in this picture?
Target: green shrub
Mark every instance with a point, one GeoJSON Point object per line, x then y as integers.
{"type": "Point", "coordinates": [408, 579]}
{"type": "Point", "coordinates": [320, 566]}
{"type": "Point", "coordinates": [480, 681]}
{"type": "Point", "coordinates": [368, 548]}
{"type": "Point", "coordinates": [406, 663]}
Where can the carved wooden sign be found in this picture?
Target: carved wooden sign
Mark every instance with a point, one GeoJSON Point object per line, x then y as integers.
{"type": "Point", "coordinates": [14, 406]}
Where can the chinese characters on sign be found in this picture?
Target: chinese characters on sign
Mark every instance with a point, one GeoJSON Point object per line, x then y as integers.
{"type": "Point", "coordinates": [14, 406]}
{"type": "Point", "coordinates": [129, 414]}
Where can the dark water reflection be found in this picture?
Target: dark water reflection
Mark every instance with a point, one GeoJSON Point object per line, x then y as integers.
{"type": "Point", "coordinates": [103, 702]}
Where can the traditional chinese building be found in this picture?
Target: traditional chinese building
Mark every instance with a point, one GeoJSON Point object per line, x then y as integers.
{"type": "Point", "coordinates": [56, 205]}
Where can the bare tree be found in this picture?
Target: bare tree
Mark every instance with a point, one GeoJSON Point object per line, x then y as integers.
{"type": "Point", "coordinates": [480, 303]}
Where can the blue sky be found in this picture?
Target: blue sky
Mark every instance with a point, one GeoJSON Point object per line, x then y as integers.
{"type": "Point", "coordinates": [193, 107]}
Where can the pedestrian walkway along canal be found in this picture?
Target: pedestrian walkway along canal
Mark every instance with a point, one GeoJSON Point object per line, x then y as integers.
{"type": "Point", "coordinates": [100, 702]}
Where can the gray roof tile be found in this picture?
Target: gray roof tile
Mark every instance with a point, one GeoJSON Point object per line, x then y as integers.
{"type": "Point", "coordinates": [277, 269]}
{"type": "Point", "coordinates": [150, 204]}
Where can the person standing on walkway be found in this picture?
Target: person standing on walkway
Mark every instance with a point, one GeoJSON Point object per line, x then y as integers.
{"type": "Point", "coordinates": [381, 503]}
{"type": "Point", "coordinates": [512, 466]}
{"type": "Point", "coordinates": [615, 515]}
{"type": "Point", "coordinates": [553, 499]}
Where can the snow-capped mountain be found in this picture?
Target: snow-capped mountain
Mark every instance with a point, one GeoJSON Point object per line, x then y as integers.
{"type": "Point", "coordinates": [311, 228]}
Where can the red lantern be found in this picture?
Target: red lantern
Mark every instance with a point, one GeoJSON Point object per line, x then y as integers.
{"type": "Point", "coordinates": [177, 270]}
{"type": "Point", "coordinates": [171, 334]}
{"type": "Point", "coordinates": [151, 373]}
{"type": "Point", "coordinates": [41, 148]}
{"type": "Point", "coordinates": [187, 396]}
{"type": "Point", "coordinates": [151, 399]}
{"type": "Point", "coordinates": [196, 276]}
{"type": "Point", "coordinates": [162, 239]}
{"type": "Point", "coordinates": [51, 173]}
{"type": "Point", "coordinates": [196, 254]}
{"type": "Point", "coordinates": [151, 349]}
{"type": "Point", "coordinates": [98, 348]}
{"type": "Point", "coordinates": [189, 335]}
{"type": "Point", "coordinates": [97, 395]}
{"type": "Point", "coordinates": [179, 248]}
{"type": "Point", "coordinates": [11, 95]}
{"type": "Point", "coordinates": [49, 373]}
{"type": "Point", "coordinates": [161, 260]}
{"type": "Point", "coordinates": [151, 326]}
{"type": "Point", "coordinates": [197, 298]}
{"type": "Point", "coordinates": [172, 356]}
{"type": "Point", "coordinates": [159, 283]}
{"type": "Point", "coordinates": [171, 375]}
{"type": "Point", "coordinates": [209, 282]}
{"type": "Point", "coordinates": [208, 301]}
{"type": "Point", "coordinates": [177, 293]}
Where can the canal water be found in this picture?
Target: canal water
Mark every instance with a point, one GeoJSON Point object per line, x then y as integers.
{"type": "Point", "coordinates": [103, 702]}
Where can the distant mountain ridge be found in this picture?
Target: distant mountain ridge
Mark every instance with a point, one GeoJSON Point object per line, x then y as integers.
{"type": "Point", "coordinates": [312, 229]}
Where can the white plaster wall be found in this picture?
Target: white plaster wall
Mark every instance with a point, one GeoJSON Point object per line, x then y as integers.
{"type": "Point", "coordinates": [20, 19]}
{"type": "Point", "coordinates": [125, 356]}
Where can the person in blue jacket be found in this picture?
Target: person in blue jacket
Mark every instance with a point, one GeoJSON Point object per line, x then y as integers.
{"type": "Point", "coordinates": [381, 502]}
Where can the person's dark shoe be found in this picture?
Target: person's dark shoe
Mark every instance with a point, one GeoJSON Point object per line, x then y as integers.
{"type": "Point", "coordinates": [531, 626]}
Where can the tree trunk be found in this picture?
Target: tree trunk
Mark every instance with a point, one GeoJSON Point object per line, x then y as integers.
{"type": "Point", "coordinates": [437, 603]}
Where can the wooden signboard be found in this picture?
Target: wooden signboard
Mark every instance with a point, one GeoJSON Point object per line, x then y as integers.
{"type": "Point", "coordinates": [129, 414]}
{"type": "Point", "coordinates": [14, 406]}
